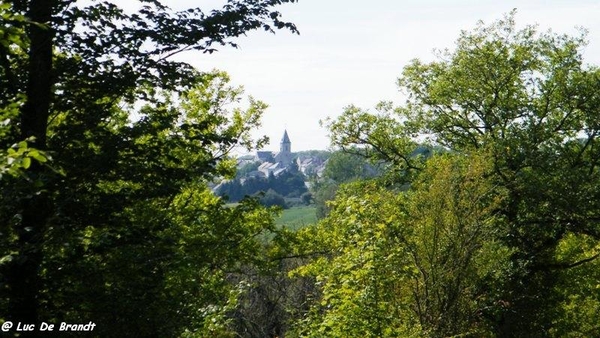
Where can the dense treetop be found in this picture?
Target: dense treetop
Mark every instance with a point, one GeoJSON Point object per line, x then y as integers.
{"type": "Point", "coordinates": [102, 215]}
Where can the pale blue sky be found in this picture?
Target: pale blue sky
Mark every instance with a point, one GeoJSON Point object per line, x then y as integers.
{"type": "Point", "coordinates": [351, 52]}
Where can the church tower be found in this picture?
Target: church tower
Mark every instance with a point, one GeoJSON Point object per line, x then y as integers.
{"type": "Point", "coordinates": [285, 145]}
{"type": "Point", "coordinates": [284, 156]}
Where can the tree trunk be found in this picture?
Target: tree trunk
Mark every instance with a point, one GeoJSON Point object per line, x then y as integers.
{"type": "Point", "coordinates": [24, 273]}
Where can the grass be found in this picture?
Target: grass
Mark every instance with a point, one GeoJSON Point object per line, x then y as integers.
{"type": "Point", "coordinates": [297, 217]}
{"type": "Point", "coordinates": [293, 218]}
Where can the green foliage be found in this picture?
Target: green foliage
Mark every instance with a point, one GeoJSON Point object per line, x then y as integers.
{"type": "Point", "coordinates": [18, 158]}
{"type": "Point", "coordinates": [118, 229]}
{"type": "Point", "coordinates": [363, 270]}
{"type": "Point", "coordinates": [414, 263]}
{"type": "Point", "coordinates": [324, 192]}
{"type": "Point", "coordinates": [495, 234]}
{"type": "Point", "coordinates": [527, 99]}
{"type": "Point", "coordinates": [288, 184]}
{"type": "Point", "coordinates": [141, 244]}
{"type": "Point", "coordinates": [578, 288]}
{"type": "Point", "coordinates": [455, 244]}
{"type": "Point", "coordinates": [306, 198]}
{"type": "Point", "coordinates": [271, 198]}
{"type": "Point", "coordinates": [378, 137]}
{"type": "Point", "coordinates": [523, 107]}
{"type": "Point", "coordinates": [345, 167]}
{"type": "Point", "coordinates": [341, 167]}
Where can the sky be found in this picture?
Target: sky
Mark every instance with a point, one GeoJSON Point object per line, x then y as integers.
{"type": "Point", "coordinates": [352, 52]}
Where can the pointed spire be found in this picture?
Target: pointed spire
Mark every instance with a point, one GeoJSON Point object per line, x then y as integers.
{"type": "Point", "coordinates": [286, 144]}
{"type": "Point", "coordinates": [285, 138]}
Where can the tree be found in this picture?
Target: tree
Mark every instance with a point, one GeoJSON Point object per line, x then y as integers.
{"type": "Point", "coordinates": [527, 100]}
{"type": "Point", "coordinates": [73, 68]}
{"type": "Point", "coordinates": [271, 198]}
{"type": "Point", "coordinates": [360, 268]}
{"type": "Point", "coordinates": [342, 167]}
{"type": "Point", "coordinates": [289, 183]}
{"type": "Point", "coordinates": [306, 198]}
{"type": "Point", "coordinates": [345, 167]}
{"type": "Point", "coordinates": [143, 211]}
{"type": "Point", "coordinates": [419, 262]}
{"type": "Point", "coordinates": [452, 209]}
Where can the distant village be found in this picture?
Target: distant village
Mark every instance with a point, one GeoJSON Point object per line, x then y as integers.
{"type": "Point", "coordinates": [282, 174]}
{"type": "Point", "coordinates": [275, 163]}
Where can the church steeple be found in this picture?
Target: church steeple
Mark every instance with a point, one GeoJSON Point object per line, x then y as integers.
{"type": "Point", "coordinates": [285, 145]}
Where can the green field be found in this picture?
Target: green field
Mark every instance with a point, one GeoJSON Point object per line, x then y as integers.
{"type": "Point", "coordinates": [297, 217]}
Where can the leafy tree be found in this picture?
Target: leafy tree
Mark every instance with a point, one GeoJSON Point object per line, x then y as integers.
{"type": "Point", "coordinates": [75, 68]}
{"type": "Point", "coordinates": [362, 269]}
{"type": "Point", "coordinates": [577, 288]}
{"type": "Point", "coordinates": [122, 222]}
{"type": "Point", "coordinates": [345, 167]}
{"type": "Point", "coordinates": [342, 167]}
{"type": "Point", "coordinates": [417, 263]}
{"type": "Point", "coordinates": [306, 198]}
{"type": "Point", "coordinates": [378, 137]}
{"type": "Point", "coordinates": [324, 192]}
{"type": "Point", "coordinates": [526, 100]}
{"type": "Point", "coordinates": [271, 198]}
{"type": "Point", "coordinates": [454, 246]}
{"type": "Point", "coordinates": [529, 99]}
{"type": "Point", "coordinates": [290, 183]}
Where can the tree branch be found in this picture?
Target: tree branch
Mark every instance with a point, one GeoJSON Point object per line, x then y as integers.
{"type": "Point", "coordinates": [572, 265]}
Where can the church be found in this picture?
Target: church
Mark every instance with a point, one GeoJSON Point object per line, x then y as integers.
{"type": "Point", "coordinates": [277, 162]}
{"type": "Point", "coordinates": [284, 156]}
